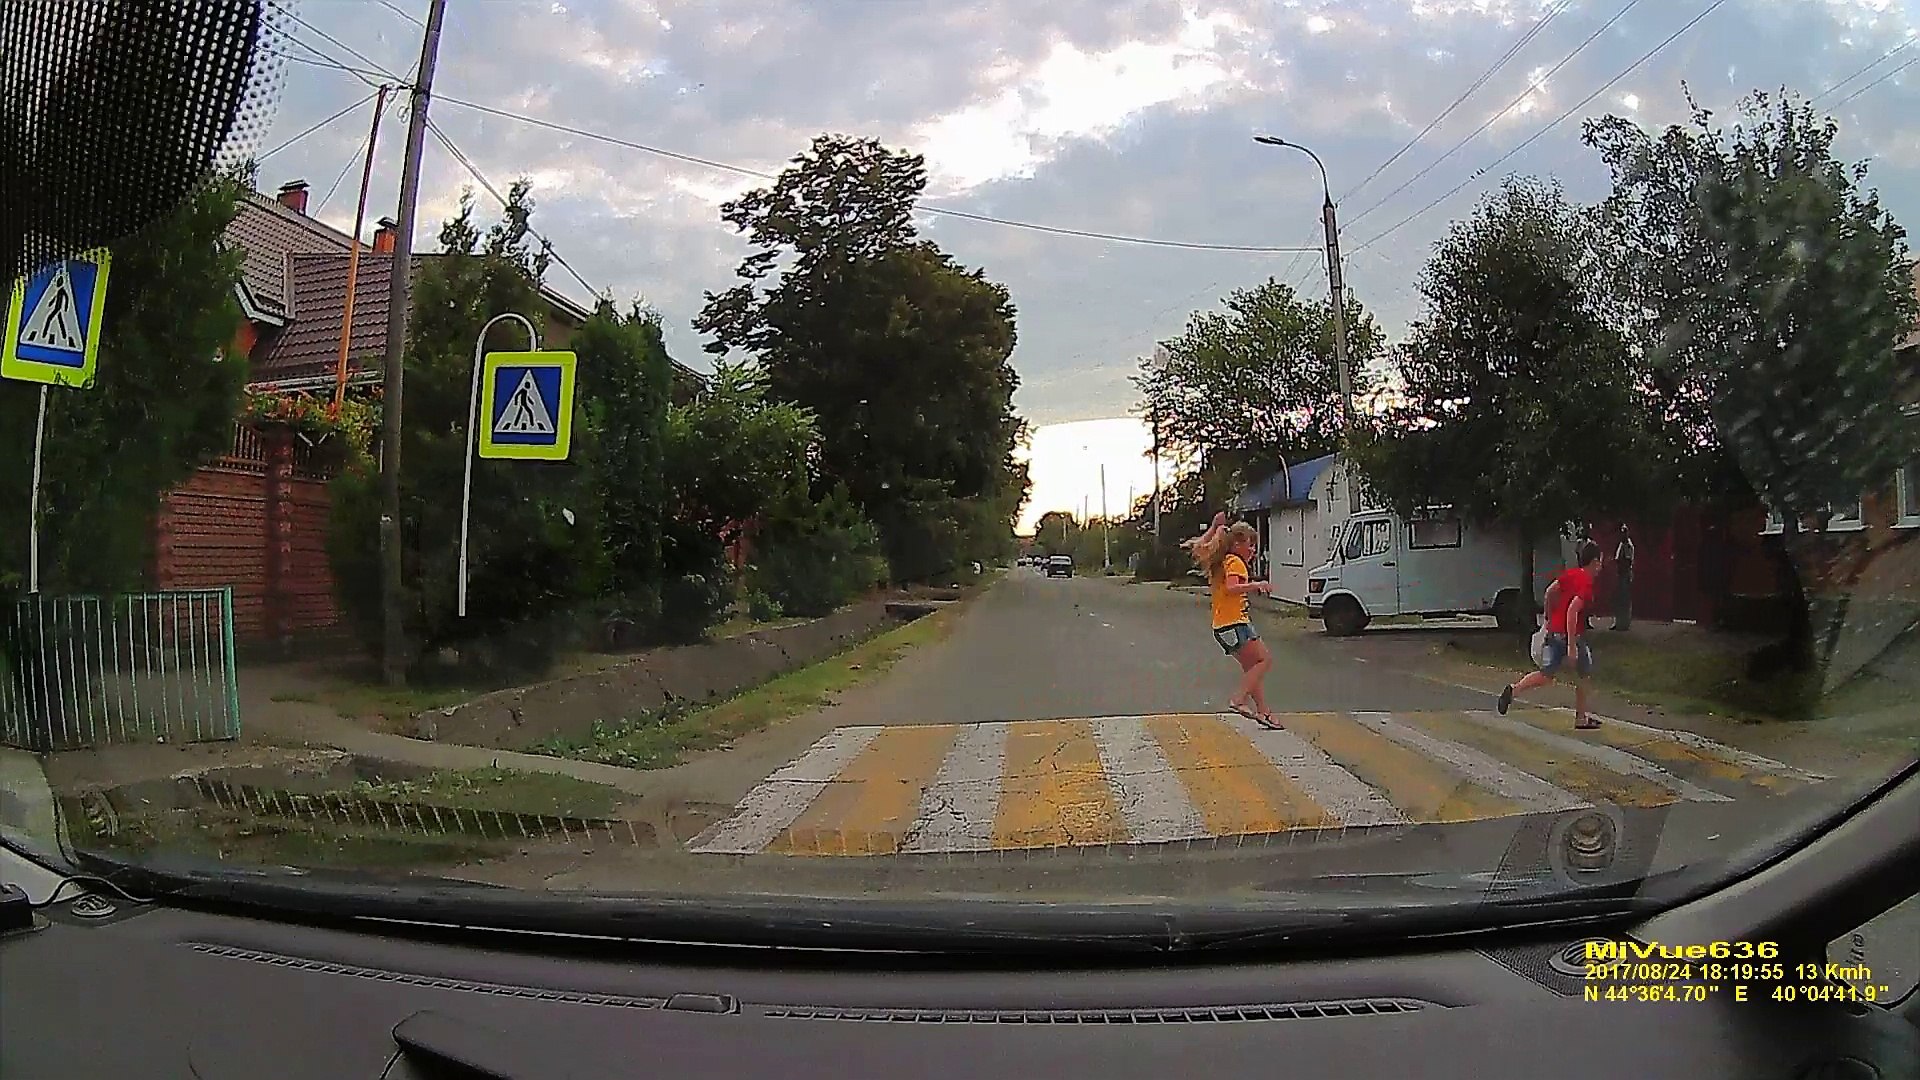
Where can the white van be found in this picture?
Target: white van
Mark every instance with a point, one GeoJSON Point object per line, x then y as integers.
{"type": "Point", "coordinates": [1434, 566]}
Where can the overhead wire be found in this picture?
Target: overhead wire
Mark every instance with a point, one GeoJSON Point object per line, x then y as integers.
{"type": "Point", "coordinates": [355, 156]}
{"type": "Point", "coordinates": [351, 51]}
{"type": "Point", "coordinates": [474, 170]}
{"type": "Point", "coordinates": [310, 129]}
{"type": "Point", "coordinates": [1495, 118]}
{"type": "Point", "coordinates": [1876, 62]}
{"type": "Point", "coordinates": [758, 174]}
{"type": "Point", "coordinates": [1555, 122]}
{"type": "Point", "coordinates": [1888, 74]}
{"type": "Point", "coordinates": [402, 13]}
{"type": "Point", "coordinates": [1513, 50]}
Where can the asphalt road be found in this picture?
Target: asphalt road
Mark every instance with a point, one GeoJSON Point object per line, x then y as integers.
{"type": "Point", "coordinates": [1038, 648]}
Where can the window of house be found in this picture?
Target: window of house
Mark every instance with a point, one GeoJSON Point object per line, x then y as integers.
{"type": "Point", "coordinates": [1437, 531]}
{"type": "Point", "coordinates": [1907, 496]}
{"type": "Point", "coordinates": [1850, 516]}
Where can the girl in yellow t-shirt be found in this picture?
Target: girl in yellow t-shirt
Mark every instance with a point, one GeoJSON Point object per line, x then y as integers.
{"type": "Point", "coordinates": [1222, 551]}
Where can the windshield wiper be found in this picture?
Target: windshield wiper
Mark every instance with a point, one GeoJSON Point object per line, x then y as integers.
{"type": "Point", "coordinates": [1383, 907]}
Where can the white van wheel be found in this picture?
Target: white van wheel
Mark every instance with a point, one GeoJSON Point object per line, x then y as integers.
{"type": "Point", "coordinates": [1507, 612]}
{"type": "Point", "coordinates": [1343, 617]}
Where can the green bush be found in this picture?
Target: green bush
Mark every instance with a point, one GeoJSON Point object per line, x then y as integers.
{"type": "Point", "coordinates": [761, 607]}
{"type": "Point", "coordinates": [813, 564]}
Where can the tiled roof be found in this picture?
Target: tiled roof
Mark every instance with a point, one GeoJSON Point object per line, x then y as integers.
{"type": "Point", "coordinates": [268, 233]}
{"type": "Point", "coordinates": [309, 345]}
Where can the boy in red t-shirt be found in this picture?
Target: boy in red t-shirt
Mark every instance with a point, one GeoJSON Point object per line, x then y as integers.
{"type": "Point", "coordinates": [1569, 601]}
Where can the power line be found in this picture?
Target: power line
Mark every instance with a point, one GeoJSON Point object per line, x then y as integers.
{"type": "Point", "coordinates": [467, 162]}
{"type": "Point", "coordinates": [1877, 61]}
{"type": "Point", "coordinates": [402, 13]}
{"type": "Point", "coordinates": [1890, 73]}
{"type": "Point", "coordinates": [315, 127]}
{"type": "Point", "coordinates": [1512, 50]}
{"type": "Point", "coordinates": [355, 156]}
{"type": "Point", "coordinates": [327, 60]}
{"type": "Point", "coordinates": [1604, 87]}
{"type": "Point", "coordinates": [1476, 132]}
{"type": "Point", "coordinates": [757, 174]}
{"type": "Point", "coordinates": [355, 53]}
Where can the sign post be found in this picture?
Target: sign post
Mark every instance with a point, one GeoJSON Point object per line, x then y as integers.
{"type": "Point", "coordinates": [53, 338]}
{"type": "Point", "coordinates": [527, 399]}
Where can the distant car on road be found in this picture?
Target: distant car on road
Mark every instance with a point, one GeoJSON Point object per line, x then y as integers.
{"type": "Point", "coordinates": [1060, 566]}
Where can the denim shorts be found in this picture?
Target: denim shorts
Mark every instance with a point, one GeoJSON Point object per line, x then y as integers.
{"type": "Point", "coordinates": [1556, 655]}
{"type": "Point", "coordinates": [1234, 637]}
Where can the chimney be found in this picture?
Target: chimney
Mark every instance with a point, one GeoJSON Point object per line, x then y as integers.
{"type": "Point", "coordinates": [293, 196]}
{"type": "Point", "coordinates": [383, 236]}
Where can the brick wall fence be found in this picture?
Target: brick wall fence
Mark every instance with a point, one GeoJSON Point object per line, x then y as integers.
{"type": "Point", "coordinates": [255, 519]}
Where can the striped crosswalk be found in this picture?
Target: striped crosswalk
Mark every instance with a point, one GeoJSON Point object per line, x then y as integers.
{"type": "Point", "coordinates": [1193, 776]}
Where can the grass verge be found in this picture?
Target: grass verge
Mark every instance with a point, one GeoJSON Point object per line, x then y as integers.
{"type": "Point", "coordinates": [502, 789]}
{"type": "Point", "coordinates": [1693, 673]}
{"type": "Point", "coordinates": [659, 740]}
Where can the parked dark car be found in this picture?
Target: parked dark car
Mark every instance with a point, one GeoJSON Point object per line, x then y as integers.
{"type": "Point", "coordinates": [1060, 566]}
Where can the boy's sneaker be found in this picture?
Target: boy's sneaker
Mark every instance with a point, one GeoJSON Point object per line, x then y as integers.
{"type": "Point", "coordinates": [1506, 699]}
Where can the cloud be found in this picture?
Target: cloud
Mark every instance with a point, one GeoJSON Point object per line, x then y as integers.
{"type": "Point", "coordinates": [1114, 115]}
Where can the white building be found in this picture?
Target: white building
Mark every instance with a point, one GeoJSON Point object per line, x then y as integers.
{"type": "Point", "coordinates": [1298, 510]}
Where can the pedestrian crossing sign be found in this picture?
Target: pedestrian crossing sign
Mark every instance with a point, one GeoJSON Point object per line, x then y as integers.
{"type": "Point", "coordinates": [529, 406]}
{"type": "Point", "coordinates": [53, 321]}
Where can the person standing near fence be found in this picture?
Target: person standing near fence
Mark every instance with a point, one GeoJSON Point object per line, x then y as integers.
{"type": "Point", "coordinates": [1623, 580]}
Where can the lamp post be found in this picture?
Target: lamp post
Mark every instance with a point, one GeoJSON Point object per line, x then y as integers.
{"type": "Point", "coordinates": [1336, 292]}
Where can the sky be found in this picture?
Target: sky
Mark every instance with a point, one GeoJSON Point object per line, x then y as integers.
{"type": "Point", "coordinates": [1130, 117]}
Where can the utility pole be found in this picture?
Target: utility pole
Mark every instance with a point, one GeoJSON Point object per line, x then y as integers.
{"type": "Point", "coordinates": [393, 657]}
{"type": "Point", "coordinates": [1336, 286]}
{"type": "Point", "coordinates": [353, 256]}
{"type": "Point", "coordinates": [1160, 363]}
{"type": "Point", "coordinates": [1106, 523]}
{"type": "Point", "coordinates": [1336, 295]}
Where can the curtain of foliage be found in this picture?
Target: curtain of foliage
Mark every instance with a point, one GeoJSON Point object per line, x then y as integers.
{"type": "Point", "coordinates": [1257, 381]}
{"type": "Point", "coordinates": [813, 563]}
{"type": "Point", "coordinates": [1519, 402]}
{"type": "Point", "coordinates": [164, 400]}
{"type": "Point", "coordinates": [1766, 289]}
{"type": "Point", "coordinates": [733, 456]}
{"type": "Point", "coordinates": [536, 552]}
{"type": "Point", "coordinates": [900, 352]}
{"type": "Point", "coordinates": [624, 382]}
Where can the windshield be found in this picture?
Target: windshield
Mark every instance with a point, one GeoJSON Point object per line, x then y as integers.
{"type": "Point", "coordinates": [1193, 455]}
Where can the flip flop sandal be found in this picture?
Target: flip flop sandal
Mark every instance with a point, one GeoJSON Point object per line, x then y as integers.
{"type": "Point", "coordinates": [1243, 711]}
{"type": "Point", "coordinates": [1270, 723]}
{"type": "Point", "coordinates": [1586, 725]}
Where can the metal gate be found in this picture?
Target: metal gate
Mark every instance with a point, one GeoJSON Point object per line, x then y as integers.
{"type": "Point", "coordinates": [82, 671]}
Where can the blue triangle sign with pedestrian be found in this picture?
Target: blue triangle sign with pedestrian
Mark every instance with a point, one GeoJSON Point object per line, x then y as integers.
{"type": "Point", "coordinates": [53, 322]}
{"type": "Point", "coordinates": [527, 399]}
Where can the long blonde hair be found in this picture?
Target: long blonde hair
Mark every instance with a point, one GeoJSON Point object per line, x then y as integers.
{"type": "Point", "coordinates": [1210, 554]}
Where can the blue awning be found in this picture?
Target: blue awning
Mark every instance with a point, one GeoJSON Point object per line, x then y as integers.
{"type": "Point", "coordinates": [1289, 487]}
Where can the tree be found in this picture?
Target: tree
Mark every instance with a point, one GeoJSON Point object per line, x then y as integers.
{"type": "Point", "coordinates": [1257, 383]}
{"type": "Point", "coordinates": [1518, 402]}
{"type": "Point", "coordinates": [900, 352]}
{"type": "Point", "coordinates": [164, 400]}
{"type": "Point", "coordinates": [733, 456]}
{"type": "Point", "coordinates": [625, 379]}
{"type": "Point", "coordinates": [537, 560]}
{"type": "Point", "coordinates": [1054, 533]}
{"type": "Point", "coordinates": [1766, 291]}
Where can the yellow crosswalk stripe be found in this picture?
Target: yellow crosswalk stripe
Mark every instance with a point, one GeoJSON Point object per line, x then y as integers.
{"type": "Point", "coordinates": [1694, 761]}
{"type": "Point", "coordinates": [1423, 789]}
{"type": "Point", "coordinates": [873, 801]}
{"type": "Point", "coordinates": [1053, 791]}
{"type": "Point", "coordinates": [1583, 777]}
{"type": "Point", "coordinates": [1234, 786]}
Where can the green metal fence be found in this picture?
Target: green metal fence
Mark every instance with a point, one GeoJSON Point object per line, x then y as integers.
{"type": "Point", "coordinates": [81, 671]}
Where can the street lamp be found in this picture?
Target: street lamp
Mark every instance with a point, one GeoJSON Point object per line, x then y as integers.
{"type": "Point", "coordinates": [1335, 290]}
